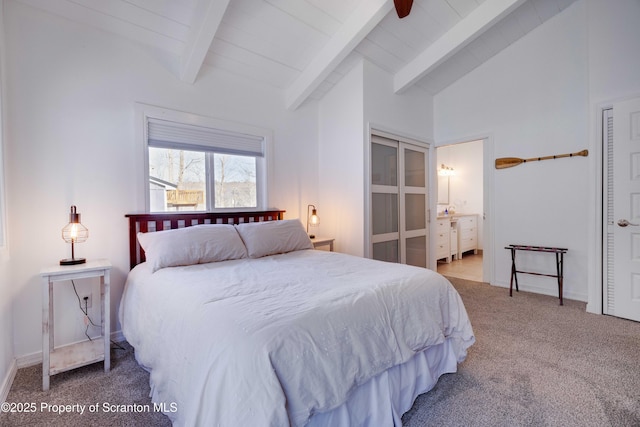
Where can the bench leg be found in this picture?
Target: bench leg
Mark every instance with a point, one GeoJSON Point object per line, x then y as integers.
{"type": "Point", "coordinates": [559, 265]}
{"type": "Point", "coordinates": [513, 273]}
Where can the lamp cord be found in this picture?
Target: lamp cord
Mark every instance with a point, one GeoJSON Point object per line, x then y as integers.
{"type": "Point", "coordinates": [85, 311]}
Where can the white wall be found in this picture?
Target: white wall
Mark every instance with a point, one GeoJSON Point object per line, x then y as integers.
{"type": "Point", "coordinates": [6, 288]}
{"type": "Point", "coordinates": [409, 114]}
{"type": "Point", "coordinates": [6, 328]}
{"type": "Point", "coordinates": [613, 50]}
{"type": "Point", "coordinates": [341, 164]}
{"type": "Point", "coordinates": [361, 101]}
{"type": "Point", "coordinates": [71, 140]}
{"type": "Point", "coordinates": [532, 99]}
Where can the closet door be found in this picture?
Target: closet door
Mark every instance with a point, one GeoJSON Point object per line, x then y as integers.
{"type": "Point", "coordinates": [385, 203]}
{"type": "Point", "coordinates": [413, 205]}
{"type": "Point", "coordinates": [399, 202]}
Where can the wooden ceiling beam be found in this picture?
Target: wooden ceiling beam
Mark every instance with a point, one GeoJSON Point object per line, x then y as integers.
{"type": "Point", "coordinates": [207, 19]}
{"type": "Point", "coordinates": [460, 35]}
{"type": "Point", "coordinates": [359, 23]}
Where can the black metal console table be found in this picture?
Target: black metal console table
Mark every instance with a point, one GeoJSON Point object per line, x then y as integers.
{"type": "Point", "coordinates": [559, 252]}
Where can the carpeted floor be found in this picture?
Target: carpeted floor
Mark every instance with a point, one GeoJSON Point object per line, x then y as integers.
{"type": "Point", "coordinates": [535, 363]}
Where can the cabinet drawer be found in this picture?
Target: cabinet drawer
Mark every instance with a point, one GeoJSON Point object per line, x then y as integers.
{"type": "Point", "coordinates": [468, 232]}
{"type": "Point", "coordinates": [443, 225]}
{"type": "Point", "coordinates": [442, 251]}
{"type": "Point", "coordinates": [442, 238]}
{"type": "Point", "coordinates": [467, 243]}
{"type": "Point", "coordinates": [467, 222]}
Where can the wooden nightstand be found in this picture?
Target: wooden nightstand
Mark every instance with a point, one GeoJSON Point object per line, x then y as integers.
{"type": "Point", "coordinates": [322, 241]}
{"type": "Point", "coordinates": [83, 353]}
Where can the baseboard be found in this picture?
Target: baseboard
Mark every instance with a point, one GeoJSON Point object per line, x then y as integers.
{"type": "Point", "coordinates": [8, 381]}
{"type": "Point", "coordinates": [29, 360]}
{"type": "Point", "coordinates": [546, 291]}
{"type": "Point", "coordinates": [36, 358]}
{"type": "Point", "coordinates": [117, 336]}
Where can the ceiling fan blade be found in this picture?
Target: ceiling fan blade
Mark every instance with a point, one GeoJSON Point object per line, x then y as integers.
{"type": "Point", "coordinates": [403, 7]}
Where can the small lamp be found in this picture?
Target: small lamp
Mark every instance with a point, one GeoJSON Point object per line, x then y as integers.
{"type": "Point", "coordinates": [445, 170]}
{"type": "Point", "coordinates": [312, 219]}
{"type": "Point", "coordinates": [73, 233]}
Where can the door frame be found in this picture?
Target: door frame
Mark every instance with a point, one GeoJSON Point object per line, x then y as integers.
{"type": "Point", "coordinates": [488, 198]}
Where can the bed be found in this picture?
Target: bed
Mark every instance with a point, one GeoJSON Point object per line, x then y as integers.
{"type": "Point", "coordinates": [241, 322]}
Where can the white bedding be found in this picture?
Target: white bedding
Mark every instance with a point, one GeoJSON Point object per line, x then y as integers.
{"type": "Point", "coordinates": [275, 340]}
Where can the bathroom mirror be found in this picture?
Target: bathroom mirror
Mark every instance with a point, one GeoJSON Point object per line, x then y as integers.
{"type": "Point", "coordinates": [443, 190]}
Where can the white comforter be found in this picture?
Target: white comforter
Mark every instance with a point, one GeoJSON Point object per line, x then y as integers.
{"type": "Point", "coordinates": [271, 341]}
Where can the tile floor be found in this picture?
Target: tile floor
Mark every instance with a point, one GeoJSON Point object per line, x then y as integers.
{"type": "Point", "coordinates": [468, 267]}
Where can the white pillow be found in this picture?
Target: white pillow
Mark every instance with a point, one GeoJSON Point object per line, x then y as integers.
{"type": "Point", "coordinates": [273, 237]}
{"type": "Point", "coordinates": [192, 245]}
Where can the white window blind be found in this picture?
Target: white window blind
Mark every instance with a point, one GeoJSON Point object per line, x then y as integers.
{"type": "Point", "coordinates": [173, 135]}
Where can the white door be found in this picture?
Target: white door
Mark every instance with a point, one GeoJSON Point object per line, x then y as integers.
{"type": "Point", "coordinates": [623, 293]}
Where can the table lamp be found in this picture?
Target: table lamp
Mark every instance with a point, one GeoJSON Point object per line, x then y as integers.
{"type": "Point", "coordinates": [312, 219]}
{"type": "Point", "coordinates": [73, 233]}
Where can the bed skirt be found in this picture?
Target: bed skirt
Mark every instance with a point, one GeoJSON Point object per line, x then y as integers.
{"type": "Point", "coordinates": [382, 400]}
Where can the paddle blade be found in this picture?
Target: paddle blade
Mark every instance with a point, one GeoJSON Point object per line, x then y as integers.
{"type": "Point", "coordinates": [403, 7]}
{"type": "Point", "coordinates": [507, 162]}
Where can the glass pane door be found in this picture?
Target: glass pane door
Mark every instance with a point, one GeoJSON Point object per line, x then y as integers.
{"type": "Point", "coordinates": [413, 190]}
{"type": "Point", "coordinates": [415, 174]}
{"type": "Point", "coordinates": [399, 201]}
{"type": "Point", "coordinates": [385, 201]}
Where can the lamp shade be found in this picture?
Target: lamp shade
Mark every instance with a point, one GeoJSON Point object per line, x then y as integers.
{"type": "Point", "coordinates": [313, 220]}
{"type": "Point", "coordinates": [74, 232]}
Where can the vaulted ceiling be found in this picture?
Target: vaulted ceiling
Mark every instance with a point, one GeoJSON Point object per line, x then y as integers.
{"type": "Point", "coordinates": [304, 47]}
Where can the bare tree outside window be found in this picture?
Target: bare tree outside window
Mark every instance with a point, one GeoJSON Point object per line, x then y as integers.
{"type": "Point", "coordinates": [178, 180]}
{"type": "Point", "coordinates": [235, 181]}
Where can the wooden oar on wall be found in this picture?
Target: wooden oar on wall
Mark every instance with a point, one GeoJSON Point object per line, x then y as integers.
{"type": "Point", "coordinates": [509, 162]}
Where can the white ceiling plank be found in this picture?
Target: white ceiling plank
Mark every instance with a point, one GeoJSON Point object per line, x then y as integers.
{"type": "Point", "coordinates": [268, 30]}
{"type": "Point", "coordinates": [440, 10]}
{"type": "Point", "coordinates": [178, 10]}
{"type": "Point", "coordinates": [383, 58]}
{"type": "Point", "coordinates": [206, 22]}
{"type": "Point", "coordinates": [240, 61]}
{"type": "Point", "coordinates": [463, 7]}
{"type": "Point", "coordinates": [351, 33]}
{"type": "Point", "coordinates": [467, 30]}
{"type": "Point", "coordinates": [137, 31]}
{"type": "Point", "coordinates": [309, 14]}
{"type": "Point", "coordinates": [338, 9]}
{"type": "Point", "coordinates": [391, 44]}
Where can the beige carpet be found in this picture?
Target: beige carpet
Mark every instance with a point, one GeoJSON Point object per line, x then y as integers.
{"type": "Point", "coordinates": [535, 363]}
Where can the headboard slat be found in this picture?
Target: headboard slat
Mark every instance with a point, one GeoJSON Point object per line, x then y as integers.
{"type": "Point", "coordinates": [159, 221]}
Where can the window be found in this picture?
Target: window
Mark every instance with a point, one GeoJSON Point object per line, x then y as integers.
{"type": "Point", "coordinates": [199, 167]}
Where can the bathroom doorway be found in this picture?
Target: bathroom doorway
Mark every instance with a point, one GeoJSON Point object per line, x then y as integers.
{"type": "Point", "coordinates": [461, 208]}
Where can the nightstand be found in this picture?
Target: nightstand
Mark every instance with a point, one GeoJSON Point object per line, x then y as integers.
{"type": "Point", "coordinates": [322, 241]}
{"type": "Point", "coordinates": [56, 360]}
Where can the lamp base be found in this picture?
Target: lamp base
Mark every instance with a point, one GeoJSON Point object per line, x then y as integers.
{"type": "Point", "coordinates": [73, 261]}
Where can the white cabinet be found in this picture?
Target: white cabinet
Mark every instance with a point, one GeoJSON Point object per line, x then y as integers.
{"type": "Point", "coordinates": [443, 239]}
{"type": "Point", "coordinates": [454, 240]}
{"type": "Point", "coordinates": [467, 234]}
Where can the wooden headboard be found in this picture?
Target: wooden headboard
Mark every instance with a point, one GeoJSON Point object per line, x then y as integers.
{"type": "Point", "coordinates": [169, 220]}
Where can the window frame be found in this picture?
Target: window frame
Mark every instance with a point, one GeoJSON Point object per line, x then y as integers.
{"type": "Point", "coordinates": [146, 112]}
